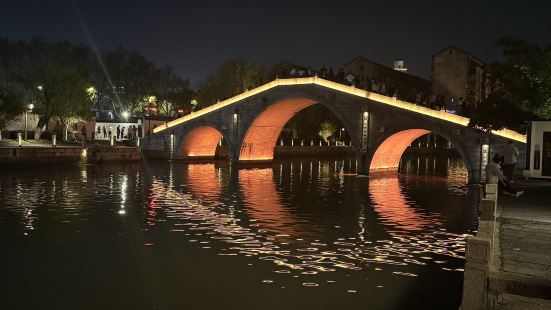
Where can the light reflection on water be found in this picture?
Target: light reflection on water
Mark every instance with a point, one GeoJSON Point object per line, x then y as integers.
{"type": "Point", "coordinates": [313, 222]}
{"type": "Point", "coordinates": [270, 231]}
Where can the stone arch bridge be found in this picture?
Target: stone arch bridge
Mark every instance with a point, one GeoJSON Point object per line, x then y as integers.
{"type": "Point", "coordinates": [380, 127]}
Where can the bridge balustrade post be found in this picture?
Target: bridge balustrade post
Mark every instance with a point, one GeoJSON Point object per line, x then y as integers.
{"type": "Point", "coordinates": [484, 158]}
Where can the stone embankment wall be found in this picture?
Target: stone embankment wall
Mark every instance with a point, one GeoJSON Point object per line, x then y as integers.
{"type": "Point", "coordinates": [313, 151]}
{"type": "Point", "coordinates": [68, 154]}
{"type": "Point", "coordinates": [481, 253]}
{"type": "Point", "coordinates": [279, 152]}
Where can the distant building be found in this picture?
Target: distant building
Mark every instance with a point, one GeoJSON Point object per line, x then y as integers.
{"type": "Point", "coordinates": [407, 86]}
{"type": "Point", "coordinates": [400, 66]}
{"type": "Point", "coordinates": [458, 74]}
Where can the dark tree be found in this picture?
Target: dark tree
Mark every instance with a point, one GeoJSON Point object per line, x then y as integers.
{"type": "Point", "coordinates": [52, 75]}
{"type": "Point", "coordinates": [229, 79]}
{"type": "Point", "coordinates": [133, 78]}
{"type": "Point", "coordinates": [523, 87]}
{"type": "Point", "coordinates": [172, 93]}
{"type": "Point", "coordinates": [11, 105]}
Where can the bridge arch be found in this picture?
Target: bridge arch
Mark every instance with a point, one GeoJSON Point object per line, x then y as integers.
{"type": "Point", "coordinates": [199, 143]}
{"type": "Point", "coordinates": [388, 149]}
{"type": "Point", "coordinates": [259, 140]}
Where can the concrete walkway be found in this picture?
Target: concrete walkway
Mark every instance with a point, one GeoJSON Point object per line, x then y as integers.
{"type": "Point", "coordinates": [524, 280]}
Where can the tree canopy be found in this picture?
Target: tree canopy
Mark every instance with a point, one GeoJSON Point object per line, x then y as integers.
{"type": "Point", "coordinates": [231, 78]}
{"type": "Point", "coordinates": [11, 105]}
{"type": "Point", "coordinates": [65, 82]}
{"type": "Point", "coordinates": [523, 87]}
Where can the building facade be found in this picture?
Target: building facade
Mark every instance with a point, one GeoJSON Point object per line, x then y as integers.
{"type": "Point", "coordinates": [458, 74]}
{"type": "Point", "coordinates": [407, 86]}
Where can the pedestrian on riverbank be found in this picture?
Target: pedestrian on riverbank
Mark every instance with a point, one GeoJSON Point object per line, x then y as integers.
{"type": "Point", "coordinates": [104, 133]}
{"type": "Point", "coordinates": [118, 132]}
{"type": "Point", "coordinates": [510, 156]}
{"type": "Point", "coordinates": [84, 133]}
{"type": "Point", "coordinates": [493, 169]}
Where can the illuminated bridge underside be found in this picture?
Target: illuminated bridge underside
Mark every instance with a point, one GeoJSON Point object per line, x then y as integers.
{"type": "Point", "coordinates": [201, 142]}
{"type": "Point", "coordinates": [262, 135]}
{"type": "Point", "coordinates": [388, 154]}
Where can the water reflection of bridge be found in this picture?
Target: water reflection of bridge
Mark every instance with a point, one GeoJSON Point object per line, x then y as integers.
{"type": "Point", "coordinates": [260, 189]}
{"type": "Point", "coordinates": [250, 213]}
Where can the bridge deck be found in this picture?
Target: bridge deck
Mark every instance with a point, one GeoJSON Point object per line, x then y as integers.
{"type": "Point", "coordinates": [439, 114]}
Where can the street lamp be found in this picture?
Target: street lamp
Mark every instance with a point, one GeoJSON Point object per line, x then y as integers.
{"type": "Point", "coordinates": [340, 133]}
{"type": "Point", "coordinates": [125, 114]}
{"type": "Point", "coordinates": [28, 109]}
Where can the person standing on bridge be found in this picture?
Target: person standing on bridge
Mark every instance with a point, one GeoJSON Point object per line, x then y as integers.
{"type": "Point", "coordinates": [493, 169]}
{"type": "Point", "coordinates": [510, 154]}
{"type": "Point", "coordinates": [350, 79]}
{"type": "Point", "coordinates": [323, 72]}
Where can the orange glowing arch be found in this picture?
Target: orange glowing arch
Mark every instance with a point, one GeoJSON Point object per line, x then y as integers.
{"type": "Point", "coordinates": [201, 142]}
{"type": "Point", "coordinates": [264, 203]}
{"type": "Point", "coordinates": [388, 154]}
{"type": "Point", "coordinates": [202, 179]}
{"type": "Point", "coordinates": [393, 208]}
{"type": "Point", "coordinates": [261, 137]}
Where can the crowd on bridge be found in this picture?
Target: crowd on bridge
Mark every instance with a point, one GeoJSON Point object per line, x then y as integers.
{"type": "Point", "coordinates": [380, 86]}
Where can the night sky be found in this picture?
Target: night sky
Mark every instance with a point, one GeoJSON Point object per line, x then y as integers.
{"type": "Point", "coordinates": [195, 36]}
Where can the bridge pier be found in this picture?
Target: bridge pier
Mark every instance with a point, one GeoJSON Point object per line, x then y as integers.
{"type": "Point", "coordinates": [361, 164]}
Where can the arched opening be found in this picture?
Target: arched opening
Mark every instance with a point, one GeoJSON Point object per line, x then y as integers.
{"type": "Point", "coordinates": [201, 142]}
{"type": "Point", "coordinates": [387, 156]}
{"type": "Point", "coordinates": [293, 122]}
{"type": "Point", "coordinates": [421, 151]}
{"type": "Point", "coordinates": [261, 137]}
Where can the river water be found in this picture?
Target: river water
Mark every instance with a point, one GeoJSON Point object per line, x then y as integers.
{"type": "Point", "coordinates": [303, 234]}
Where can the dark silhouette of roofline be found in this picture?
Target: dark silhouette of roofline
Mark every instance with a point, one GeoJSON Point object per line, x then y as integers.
{"type": "Point", "coordinates": [459, 50]}
{"type": "Point", "coordinates": [381, 65]}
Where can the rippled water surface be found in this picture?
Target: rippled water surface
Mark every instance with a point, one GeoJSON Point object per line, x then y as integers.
{"type": "Point", "coordinates": [295, 235]}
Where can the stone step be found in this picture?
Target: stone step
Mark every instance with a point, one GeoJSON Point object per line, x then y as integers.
{"type": "Point", "coordinates": [507, 283]}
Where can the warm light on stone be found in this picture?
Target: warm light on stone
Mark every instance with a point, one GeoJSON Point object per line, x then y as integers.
{"type": "Point", "coordinates": [262, 135]}
{"type": "Point", "coordinates": [443, 115]}
{"type": "Point", "coordinates": [388, 154]}
{"type": "Point", "coordinates": [200, 142]}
